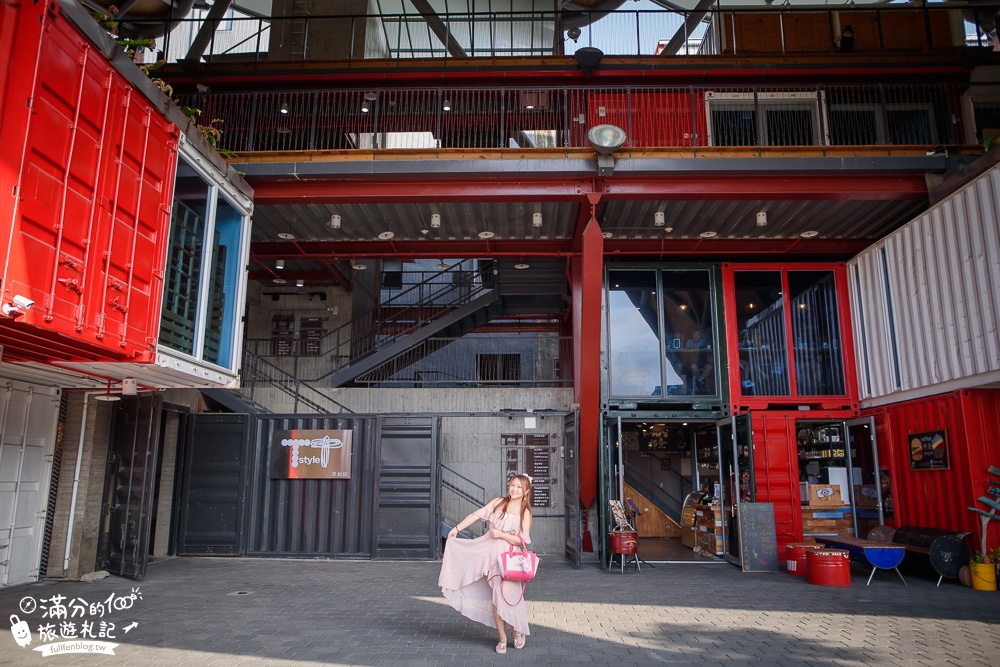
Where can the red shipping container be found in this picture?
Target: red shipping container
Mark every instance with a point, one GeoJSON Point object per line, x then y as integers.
{"type": "Point", "coordinates": [658, 119]}
{"type": "Point", "coordinates": [90, 163]}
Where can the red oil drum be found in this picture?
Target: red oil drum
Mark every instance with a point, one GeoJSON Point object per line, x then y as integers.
{"type": "Point", "coordinates": [624, 541]}
{"type": "Point", "coordinates": [829, 567]}
{"type": "Point", "coordinates": [795, 557]}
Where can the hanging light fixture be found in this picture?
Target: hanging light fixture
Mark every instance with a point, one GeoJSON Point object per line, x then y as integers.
{"type": "Point", "coordinates": [441, 266]}
{"type": "Point", "coordinates": [108, 397]}
{"type": "Point", "coordinates": [520, 266]}
{"type": "Point", "coordinates": [357, 266]}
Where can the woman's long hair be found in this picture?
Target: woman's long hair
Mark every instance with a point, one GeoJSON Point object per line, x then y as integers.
{"type": "Point", "coordinates": [501, 507]}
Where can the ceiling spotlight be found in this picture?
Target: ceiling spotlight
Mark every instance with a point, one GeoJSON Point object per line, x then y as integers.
{"type": "Point", "coordinates": [809, 234]}
{"type": "Point", "coordinates": [279, 264]}
{"type": "Point", "coordinates": [435, 220]}
{"type": "Point", "coordinates": [486, 235]}
{"type": "Point", "coordinates": [335, 221]}
{"type": "Point", "coordinates": [364, 107]}
{"type": "Point", "coordinates": [300, 283]}
{"type": "Point", "coordinates": [762, 219]}
{"type": "Point", "coordinates": [446, 105]}
{"type": "Point", "coordinates": [536, 219]}
{"type": "Point", "coordinates": [385, 236]}
{"type": "Point", "coordinates": [659, 219]}
{"type": "Point", "coordinates": [708, 235]}
{"type": "Point", "coordinates": [358, 266]}
{"type": "Point", "coordinates": [286, 236]}
{"type": "Point", "coordinates": [284, 107]}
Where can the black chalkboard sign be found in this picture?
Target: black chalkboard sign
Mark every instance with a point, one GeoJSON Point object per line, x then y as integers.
{"type": "Point", "coordinates": [758, 539]}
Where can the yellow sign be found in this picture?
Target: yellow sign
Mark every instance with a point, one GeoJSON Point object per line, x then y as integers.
{"type": "Point", "coordinates": [301, 454]}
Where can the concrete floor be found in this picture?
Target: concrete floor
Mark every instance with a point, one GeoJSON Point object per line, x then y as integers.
{"type": "Point", "coordinates": [215, 611]}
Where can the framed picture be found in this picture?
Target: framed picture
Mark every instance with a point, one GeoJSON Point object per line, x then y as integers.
{"type": "Point", "coordinates": [928, 450]}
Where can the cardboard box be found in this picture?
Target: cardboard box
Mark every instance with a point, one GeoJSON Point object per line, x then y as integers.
{"type": "Point", "coordinates": [823, 495]}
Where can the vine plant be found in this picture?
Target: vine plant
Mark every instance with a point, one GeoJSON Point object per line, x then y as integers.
{"type": "Point", "coordinates": [208, 130]}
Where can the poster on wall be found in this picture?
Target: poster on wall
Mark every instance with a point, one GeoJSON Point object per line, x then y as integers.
{"type": "Point", "coordinates": [928, 450]}
{"type": "Point", "coordinates": [311, 454]}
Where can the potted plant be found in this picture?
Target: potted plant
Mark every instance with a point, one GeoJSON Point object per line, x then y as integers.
{"type": "Point", "coordinates": [984, 576]}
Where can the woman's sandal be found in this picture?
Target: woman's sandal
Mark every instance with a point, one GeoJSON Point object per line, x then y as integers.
{"type": "Point", "coordinates": [501, 647]}
{"type": "Point", "coordinates": [519, 641]}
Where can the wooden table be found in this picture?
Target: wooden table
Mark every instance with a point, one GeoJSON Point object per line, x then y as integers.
{"type": "Point", "coordinates": [880, 555]}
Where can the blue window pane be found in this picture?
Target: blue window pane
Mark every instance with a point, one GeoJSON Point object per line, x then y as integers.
{"type": "Point", "coordinates": [223, 288]}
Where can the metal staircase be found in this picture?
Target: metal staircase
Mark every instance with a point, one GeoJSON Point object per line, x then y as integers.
{"type": "Point", "coordinates": [412, 324]}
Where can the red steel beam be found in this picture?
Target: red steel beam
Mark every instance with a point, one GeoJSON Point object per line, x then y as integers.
{"type": "Point", "coordinates": [498, 188]}
{"type": "Point", "coordinates": [405, 190]}
{"type": "Point", "coordinates": [267, 251]}
{"type": "Point", "coordinates": [763, 185]}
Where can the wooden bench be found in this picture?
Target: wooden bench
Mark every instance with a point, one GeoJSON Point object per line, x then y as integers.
{"type": "Point", "coordinates": [880, 555]}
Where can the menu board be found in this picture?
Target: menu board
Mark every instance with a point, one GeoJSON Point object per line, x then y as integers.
{"type": "Point", "coordinates": [311, 334]}
{"type": "Point", "coordinates": [282, 335]}
{"type": "Point", "coordinates": [758, 538]}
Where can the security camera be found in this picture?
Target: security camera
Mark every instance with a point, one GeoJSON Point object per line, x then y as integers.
{"type": "Point", "coordinates": [22, 302]}
{"type": "Point", "coordinates": [573, 33]}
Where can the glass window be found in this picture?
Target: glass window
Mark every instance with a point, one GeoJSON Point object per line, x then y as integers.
{"type": "Point", "coordinates": [633, 330]}
{"type": "Point", "coordinates": [223, 285]}
{"type": "Point", "coordinates": [179, 321]}
{"type": "Point", "coordinates": [202, 279]}
{"type": "Point", "coordinates": [819, 366]}
{"type": "Point", "coordinates": [760, 316]}
{"type": "Point", "coordinates": [689, 326]}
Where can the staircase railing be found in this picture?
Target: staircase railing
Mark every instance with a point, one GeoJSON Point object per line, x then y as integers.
{"type": "Point", "coordinates": [259, 373]}
{"type": "Point", "coordinates": [393, 319]}
{"type": "Point", "coordinates": [664, 500]}
{"type": "Point", "coordinates": [465, 496]}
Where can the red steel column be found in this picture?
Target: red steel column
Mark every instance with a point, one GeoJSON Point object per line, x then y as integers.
{"type": "Point", "coordinates": [587, 276]}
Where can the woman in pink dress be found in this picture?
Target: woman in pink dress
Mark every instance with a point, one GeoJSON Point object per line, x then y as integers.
{"type": "Point", "coordinates": [470, 573]}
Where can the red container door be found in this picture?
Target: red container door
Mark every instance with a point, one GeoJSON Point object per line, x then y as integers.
{"type": "Point", "coordinates": [776, 472]}
{"type": "Point", "coordinates": [93, 163]}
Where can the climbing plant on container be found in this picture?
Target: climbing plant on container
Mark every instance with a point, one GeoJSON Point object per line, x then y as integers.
{"type": "Point", "coordinates": [208, 130]}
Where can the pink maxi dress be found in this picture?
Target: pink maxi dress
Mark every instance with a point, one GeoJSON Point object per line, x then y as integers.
{"type": "Point", "coordinates": [470, 575]}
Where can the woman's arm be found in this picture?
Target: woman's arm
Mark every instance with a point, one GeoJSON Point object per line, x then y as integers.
{"type": "Point", "coordinates": [482, 514]}
{"type": "Point", "coordinates": [515, 539]}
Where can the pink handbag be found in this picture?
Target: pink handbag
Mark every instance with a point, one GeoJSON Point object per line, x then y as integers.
{"type": "Point", "coordinates": [518, 565]}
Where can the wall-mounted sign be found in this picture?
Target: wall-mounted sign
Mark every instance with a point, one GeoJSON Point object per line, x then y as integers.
{"type": "Point", "coordinates": [928, 451]}
{"type": "Point", "coordinates": [302, 454]}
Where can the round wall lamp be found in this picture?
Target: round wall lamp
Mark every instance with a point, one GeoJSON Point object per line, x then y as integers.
{"type": "Point", "coordinates": [606, 139]}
